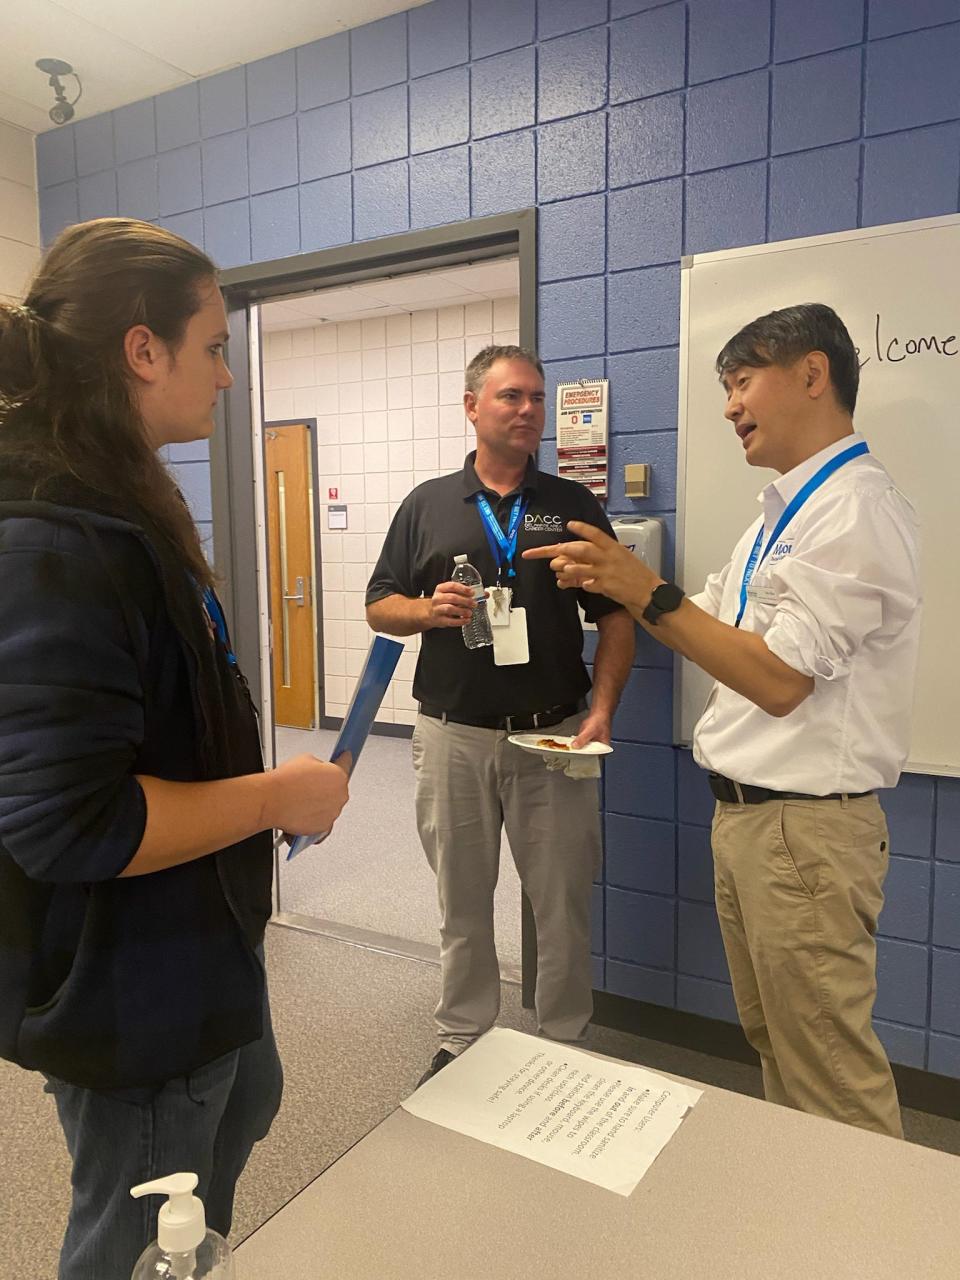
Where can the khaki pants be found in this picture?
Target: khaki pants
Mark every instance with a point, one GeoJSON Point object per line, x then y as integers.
{"type": "Point", "coordinates": [471, 783]}
{"type": "Point", "coordinates": [799, 887]}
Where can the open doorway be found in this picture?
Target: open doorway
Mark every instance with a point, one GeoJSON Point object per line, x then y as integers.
{"type": "Point", "coordinates": [240, 543]}
{"type": "Point", "coordinates": [362, 390]}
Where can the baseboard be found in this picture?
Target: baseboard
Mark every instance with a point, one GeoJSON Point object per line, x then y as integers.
{"type": "Point", "coordinates": [920, 1090]}
{"type": "Point", "coordinates": [673, 1026]}
{"type": "Point", "coordinates": [379, 730]}
{"type": "Point", "coordinates": [927, 1091]}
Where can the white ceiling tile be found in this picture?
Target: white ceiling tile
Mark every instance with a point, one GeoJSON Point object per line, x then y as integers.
{"type": "Point", "coordinates": [24, 115]}
{"type": "Point", "coordinates": [220, 33]}
{"type": "Point", "coordinates": [113, 70]}
{"type": "Point", "coordinates": [417, 291]}
{"type": "Point", "coordinates": [482, 277]}
{"type": "Point", "coordinates": [278, 315]}
{"type": "Point", "coordinates": [124, 52]}
{"type": "Point", "coordinates": [329, 302]}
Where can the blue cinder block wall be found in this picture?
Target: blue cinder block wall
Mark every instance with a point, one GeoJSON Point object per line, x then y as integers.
{"type": "Point", "coordinates": [642, 130]}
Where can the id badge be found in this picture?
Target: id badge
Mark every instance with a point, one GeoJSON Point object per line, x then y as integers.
{"type": "Point", "coordinates": [498, 606]}
{"type": "Point", "coordinates": [762, 595]}
{"type": "Point", "coordinates": [510, 646]}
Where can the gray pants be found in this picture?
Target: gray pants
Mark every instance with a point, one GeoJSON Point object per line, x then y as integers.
{"type": "Point", "coordinates": [470, 783]}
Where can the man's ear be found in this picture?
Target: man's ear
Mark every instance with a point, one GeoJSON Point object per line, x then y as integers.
{"type": "Point", "coordinates": [145, 353]}
{"type": "Point", "coordinates": [470, 405]}
{"type": "Point", "coordinates": [816, 368]}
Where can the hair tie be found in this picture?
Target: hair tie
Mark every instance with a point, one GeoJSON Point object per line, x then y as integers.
{"type": "Point", "coordinates": [24, 312]}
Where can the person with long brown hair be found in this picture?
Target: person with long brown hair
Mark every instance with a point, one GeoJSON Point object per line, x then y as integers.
{"type": "Point", "coordinates": [135, 815]}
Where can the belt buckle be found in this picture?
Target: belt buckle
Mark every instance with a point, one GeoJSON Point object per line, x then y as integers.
{"type": "Point", "coordinates": [725, 789]}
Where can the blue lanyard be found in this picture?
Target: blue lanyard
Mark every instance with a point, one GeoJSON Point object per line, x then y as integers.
{"type": "Point", "coordinates": [755, 559]}
{"type": "Point", "coordinates": [502, 545]}
{"type": "Point", "coordinates": [216, 617]}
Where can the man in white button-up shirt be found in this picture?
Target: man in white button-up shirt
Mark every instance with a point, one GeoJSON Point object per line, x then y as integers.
{"type": "Point", "coordinates": [811, 632]}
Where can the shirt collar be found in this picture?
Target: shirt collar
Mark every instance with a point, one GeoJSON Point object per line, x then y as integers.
{"type": "Point", "coordinates": [472, 484]}
{"type": "Point", "coordinates": [779, 493]}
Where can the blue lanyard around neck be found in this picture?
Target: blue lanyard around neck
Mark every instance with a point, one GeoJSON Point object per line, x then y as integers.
{"type": "Point", "coordinates": [755, 559]}
{"type": "Point", "coordinates": [219, 622]}
{"type": "Point", "coordinates": [502, 545]}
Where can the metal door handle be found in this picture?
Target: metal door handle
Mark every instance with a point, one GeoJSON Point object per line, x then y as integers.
{"type": "Point", "coordinates": [300, 597]}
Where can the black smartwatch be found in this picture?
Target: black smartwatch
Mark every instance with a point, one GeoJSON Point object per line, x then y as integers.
{"type": "Point", "coordinates": [665, 599]}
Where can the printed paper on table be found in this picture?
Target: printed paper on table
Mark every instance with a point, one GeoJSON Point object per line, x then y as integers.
{"type": "Point", "coordinates": [603, 1121]}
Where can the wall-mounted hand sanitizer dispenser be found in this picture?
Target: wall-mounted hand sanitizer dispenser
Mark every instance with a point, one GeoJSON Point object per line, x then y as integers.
{"type": "Point", "coordinates": [644, 536]}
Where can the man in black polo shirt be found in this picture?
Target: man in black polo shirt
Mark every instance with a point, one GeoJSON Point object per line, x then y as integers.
{"type": "Point", "coordinates": [470, 780]}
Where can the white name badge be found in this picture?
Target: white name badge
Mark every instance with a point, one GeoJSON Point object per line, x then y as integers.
{"type": "Point", "coordinates": [510, 645]}
{"type": "Point", "coordinates": [762, 595]}
{"type": "Point", "coordinates": [498, 605]}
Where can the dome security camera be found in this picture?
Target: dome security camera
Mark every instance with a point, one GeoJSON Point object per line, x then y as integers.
{"type": "Point", "coordinates": [61, 112]}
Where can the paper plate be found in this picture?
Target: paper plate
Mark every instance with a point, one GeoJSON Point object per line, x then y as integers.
{"type": "Point", "coordinates": [528, 741]}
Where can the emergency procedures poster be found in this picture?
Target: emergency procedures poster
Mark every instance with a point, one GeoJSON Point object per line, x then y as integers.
{"type": "Point", "coordinates": [582, 433]}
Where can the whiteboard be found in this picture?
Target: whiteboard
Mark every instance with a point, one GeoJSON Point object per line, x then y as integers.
{"type": "Point", "coordinates": [897, 288]}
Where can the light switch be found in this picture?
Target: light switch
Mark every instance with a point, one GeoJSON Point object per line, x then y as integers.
{"type": "Point", "coordinates": [636, 479]}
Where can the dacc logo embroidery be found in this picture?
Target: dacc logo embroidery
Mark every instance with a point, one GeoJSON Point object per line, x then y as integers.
{"type": "Point", "coordinates": [542, 524]}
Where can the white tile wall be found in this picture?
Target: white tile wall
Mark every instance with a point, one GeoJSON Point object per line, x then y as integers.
{"type": "Point", "coordinates": [398, 331]}
{"type": "Point", "coordinates": [387, 395]}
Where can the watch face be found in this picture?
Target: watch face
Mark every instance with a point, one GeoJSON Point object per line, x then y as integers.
{"type": "Point", "coordinates": [663, 599]}
{"type": "Point", "coordinates": [666, 597]}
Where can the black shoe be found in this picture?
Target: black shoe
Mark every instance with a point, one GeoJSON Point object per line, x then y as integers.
{"type": "Point", "coordinates": [441, 1059]}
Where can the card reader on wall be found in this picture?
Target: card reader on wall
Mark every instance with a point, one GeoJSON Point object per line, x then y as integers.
{"type": "Point", "coordinates": [644, 536]}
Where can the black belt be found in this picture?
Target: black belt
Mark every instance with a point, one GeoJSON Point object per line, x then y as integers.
{"type": "Point", "coordinates": [742, 793]}
{"type": "Point", "coordinates": [512, 724]}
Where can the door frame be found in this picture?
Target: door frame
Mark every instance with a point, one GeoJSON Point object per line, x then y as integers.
{"type": "Point", "coordinates": [232, 467]}
{"type": "Point", "coordinates": [236, 498]}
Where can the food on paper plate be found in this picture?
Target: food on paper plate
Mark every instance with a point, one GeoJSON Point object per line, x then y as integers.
{"type": "Point", "coordinates": [551, 744]}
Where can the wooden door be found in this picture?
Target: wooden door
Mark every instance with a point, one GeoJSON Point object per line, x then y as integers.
{"type": "Point", "coordinates": [290, 544]}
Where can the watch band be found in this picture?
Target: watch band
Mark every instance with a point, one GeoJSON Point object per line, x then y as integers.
{"type": "Point", "coordinates": [665, 598]}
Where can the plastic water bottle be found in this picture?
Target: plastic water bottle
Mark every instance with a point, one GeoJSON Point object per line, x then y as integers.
{"type": "Point", "coordinates": [477, 632]}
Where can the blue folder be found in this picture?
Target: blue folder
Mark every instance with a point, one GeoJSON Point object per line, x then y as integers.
{"type": "Point", "coordinates": [376, 675]}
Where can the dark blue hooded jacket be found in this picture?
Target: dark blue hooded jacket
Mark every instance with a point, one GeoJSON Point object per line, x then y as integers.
{"type": "Point", "coordinates": [108, 668]}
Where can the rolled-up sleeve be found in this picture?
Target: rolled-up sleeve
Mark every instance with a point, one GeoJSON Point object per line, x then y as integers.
{"type": "Point", "coordinates": [853, 579]}
{"type": "Point", "coordinates": [71, 719]}
{"type": "Point", "coordinates": [711, 597]}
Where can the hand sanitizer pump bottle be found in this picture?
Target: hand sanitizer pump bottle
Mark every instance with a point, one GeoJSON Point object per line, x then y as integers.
{"type": "Point", "coordinates": [184, 1248]}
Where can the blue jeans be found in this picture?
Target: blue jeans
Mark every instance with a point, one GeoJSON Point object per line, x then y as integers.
{"type": "Point", "coordinates": [206, 1123]}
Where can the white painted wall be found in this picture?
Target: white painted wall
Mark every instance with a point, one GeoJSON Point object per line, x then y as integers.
{"type": "Point", "coordinates": [19, 219]}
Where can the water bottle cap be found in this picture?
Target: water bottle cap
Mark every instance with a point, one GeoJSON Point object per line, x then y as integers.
{"type": "Point", "coordinates": [459, 559]}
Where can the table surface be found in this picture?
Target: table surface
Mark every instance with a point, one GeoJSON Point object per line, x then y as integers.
{"type": "Point", "coordinates": [744, 1190]}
